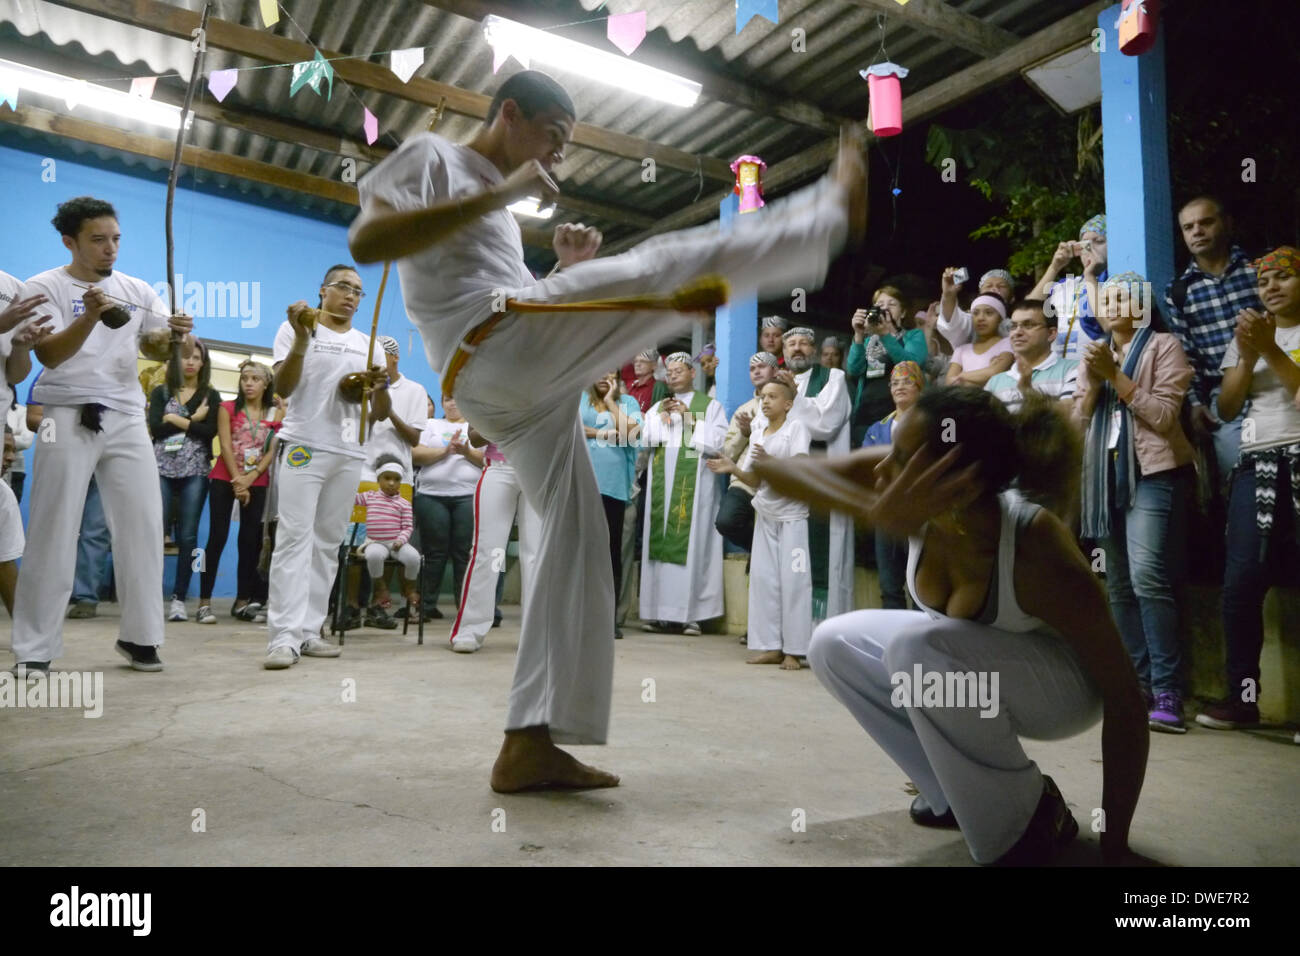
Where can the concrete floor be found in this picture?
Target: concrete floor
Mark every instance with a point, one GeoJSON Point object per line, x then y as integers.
{"type": "Point", "coordinates": [713, 770]}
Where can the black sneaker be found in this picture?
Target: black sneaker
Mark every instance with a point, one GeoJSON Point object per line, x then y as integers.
{"type": "Point", "coordinates": [25, 669]}
{"type": "Point", "coordinates": [922, 815]}
{"type": "Point", "coordinates": [1050, 828]}
{"type": "Point", "coordinates": [141, 657]}
{"type": "Point", "coordinates": [377, 617]}
{"type": "Point", "coordinates": [1229, 714]}
{"type": "Point", "coordinates": [351, 618]}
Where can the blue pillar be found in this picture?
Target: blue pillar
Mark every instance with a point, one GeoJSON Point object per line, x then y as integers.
{"type": "Point", "coordinates": [735, 330]}
{"type": "Point", "coordinates": [1139, 208]}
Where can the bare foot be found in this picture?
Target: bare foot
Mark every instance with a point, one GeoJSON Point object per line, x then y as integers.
{"type": "Point", "coordinates": [850, 171]}
{"type": "Point", "coordinates": [790, 663]}
{"type": "Point", "coordinates": [529, 760]}
{"type": "Point", "coordinates": [765, 657]}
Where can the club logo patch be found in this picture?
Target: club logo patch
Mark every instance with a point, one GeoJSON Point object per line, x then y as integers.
{"type": "Point", "coordinates": [298, 457]}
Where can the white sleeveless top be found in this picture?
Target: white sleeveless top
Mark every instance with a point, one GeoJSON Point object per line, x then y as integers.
{"type": "Point", "coordinates": [1002, 611]}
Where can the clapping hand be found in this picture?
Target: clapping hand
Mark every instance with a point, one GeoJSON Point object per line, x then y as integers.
{"type": "Point", "coordinates": [30, 336]}
{"type": "Point", "coordinates": [1100, 361]}
{"type": "Point", "coordinates": [19, 311]}
{"type": "Point", "coordinates": [1256, 331]}
{"type": "Point", "coordinates": [720, 466]}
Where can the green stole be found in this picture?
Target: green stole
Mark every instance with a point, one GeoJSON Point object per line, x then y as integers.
{"type": "Point", "coordinates": [819, 526]}
{"type": "Point", "coordinates": [669, 544]}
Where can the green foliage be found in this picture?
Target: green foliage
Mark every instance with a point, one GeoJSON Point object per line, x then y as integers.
{"type": "Point", "coordinates": [1042, 173]}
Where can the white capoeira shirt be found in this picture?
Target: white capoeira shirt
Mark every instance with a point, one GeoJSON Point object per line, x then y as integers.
{"type": "Point", "coordinates": [103, 370]}
{"type": "Point", "coordinates": [788, 441]}
{"type": "Point", "coordinates": [449, 287]}
{"type": "Point", "coordinates": [411, 405]}
{"type": "Point", "coordinates": [317, 416]}
{"type": "Point", "coordinates": [693, 591]}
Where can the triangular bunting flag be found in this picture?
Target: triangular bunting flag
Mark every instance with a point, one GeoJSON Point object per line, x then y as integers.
{"type": "Point", "coordinates": [221, 82]}
{"type": "Point", "coordinates": [142, 86]}
{"type": "Point", "coordinates": [270, 12]}
{"type": "Point", "coordinates": [406, 62]}
{"type": "Point", "coordinates": [626, 30]}
{"type": "Point", "coordinates": [73, 92]}
{"type": "Point", "coordinates": [371, 126]}
{"type": "Point", "coordinates": [9, 91]}
{"type": "Point", "coordinates": [310, 73]}
{"type": "Point", "coordinates": [746, 10]}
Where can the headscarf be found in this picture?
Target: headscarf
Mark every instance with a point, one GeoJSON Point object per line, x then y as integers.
{"type": "Point", "coordinates": [908, 369]}
{"type": "Point", "coordinates": [390, 345]}
{"type": "Point", "coordinates": [801, 330]}
{"type": "Point", "coordinates": [833, 342]}
{"type": "Point", "coordinates": [993, 302]}
{"type": "Point", "coordinates": [391, 468]}
{"type": "Point", "coordinates": [683, 357]}
{"type": "Point", "coordinates": [1096, 224]}
{"type": "Point", "coordinates": [775, 322]}
{"type": "Point", "coordinates": [1002, 274]}
{"type": "Point", "coordinates": [1284, 259]}
{"type": "Point", "coordinates": [763, 358]}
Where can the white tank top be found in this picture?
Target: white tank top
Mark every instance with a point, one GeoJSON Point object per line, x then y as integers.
{"type": "Point", "coordinates": [1002, 611]}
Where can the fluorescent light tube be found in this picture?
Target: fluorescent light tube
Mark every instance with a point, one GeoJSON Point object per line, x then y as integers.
{"type": "Point", "coordinates": [528, 44]}
{"type": "Point", "coordinates": [528, 207]}
{"type": "Point", "coordinates": [78, 93]}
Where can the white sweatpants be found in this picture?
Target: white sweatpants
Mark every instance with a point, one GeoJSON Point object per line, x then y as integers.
{"type": "Point", "coordinates": [957, 758]}
{"type": "Point", "coordinates": [498, 502]}
{"type": "Point", "coordinates": [376, 554]}
{"type": "Point", "coordinates": [780, 587]}
{"type": "Point", "coordinates": [121, 457]}
{"type": "Point", "coordinates": [519, 390]}
{"type": "Point", "coordinates": [316, 498]}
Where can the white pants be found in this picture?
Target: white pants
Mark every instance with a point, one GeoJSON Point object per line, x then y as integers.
{"type": "Point", "coordinates": [121, 457]}
{"type": "Point", "coordinates": [520, 391]}
{"type": "Point", "coordinates": [316, 500]}
{"type": "Point", "coordinates": [376, 554]}
{"type": "Point", "coordinates": [957, 758]}
{"type": "Point", "coordinates": [780, 587]}
{"type": "Point", "coordinates": [498, 501]}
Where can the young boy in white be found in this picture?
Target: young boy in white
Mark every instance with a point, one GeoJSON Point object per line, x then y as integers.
{"type": "Point", "coordinates": [780, 574]}
{"type": "Point", "coordinates": [320, 464]}
{"type": "Point", "coordinates": [439, 209]}
{"type": "Point", "coordinates": [94, 424]}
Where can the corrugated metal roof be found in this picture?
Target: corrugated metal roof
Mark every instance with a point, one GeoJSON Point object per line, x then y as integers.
{"type": "Point", "coordinates": [841, 38]}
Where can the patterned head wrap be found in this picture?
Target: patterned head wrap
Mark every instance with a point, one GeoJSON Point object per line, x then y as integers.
{"type": "Point", "coordinates": [649, 355]}
{"type": "Point", "coordinates": [763, 358]}
{"type": "Point", "coordinates": [683, 357]}
{"type": "Point", "coordinates": [908, 369]}
{"type": "Point", "coordinates": [1096, 224]}
{"type": "Point", "coordinates": [390, 345]}
{"type": "Point", "coordinates": [1125, 279]}
{"type": "Point", "coordinates": [1284, 259]}
{"type": "Point", "coordinates": [707, 350]}
{"type": "Point", "coordinates": [801, 330]}
{"type": "Point", "coordinates": [775, 322]}
{"type": "Point", "coordinates": [1002, 274]}
{"type": "Point", "coordinates": [833, 342]}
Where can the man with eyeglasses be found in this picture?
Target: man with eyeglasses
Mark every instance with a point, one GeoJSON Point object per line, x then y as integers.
{"type": "Point", "coordinates": [1037, 367]}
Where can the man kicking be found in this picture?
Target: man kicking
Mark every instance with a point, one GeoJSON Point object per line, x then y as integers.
{"type": "Point", "coordinates": [439, 208]}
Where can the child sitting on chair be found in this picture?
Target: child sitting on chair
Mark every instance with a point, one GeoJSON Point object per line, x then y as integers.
{"type": "Point", "coordinates": [389, 523]}
{"type": "Point", "coordinates": [780, 577]}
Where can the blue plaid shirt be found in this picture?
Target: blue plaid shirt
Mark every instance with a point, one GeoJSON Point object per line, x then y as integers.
{"type": "Point", "coordinates": [1208, 319]}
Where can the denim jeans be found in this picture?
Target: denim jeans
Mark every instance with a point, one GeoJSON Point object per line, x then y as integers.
{"type": "Point", "coordinates": [1248, 574]}
{"type": "Point", "coordinates": [93, 547]}
{"type": "Point", "coordinates": [446, 527]}
{"type": "Point", "coordinates": [1144, 567]}
{"type": "Point", "coordinates": [891, 566]}
{"type": "Point", "coordinates": [1227, 446]}
{"type": "Point", "coordinates": [188, 494]}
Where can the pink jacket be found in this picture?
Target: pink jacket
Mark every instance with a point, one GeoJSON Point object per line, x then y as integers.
{"type": "Point", "coordinates": [1162, 378]}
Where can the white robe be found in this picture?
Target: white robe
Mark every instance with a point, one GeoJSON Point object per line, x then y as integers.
{"type": "Point", "coordinates": [693, 591]}
{"type": "Point", "coordinates": [826, 416]}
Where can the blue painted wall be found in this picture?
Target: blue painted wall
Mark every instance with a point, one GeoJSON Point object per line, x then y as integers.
{"type": "Point", "coordinates": [221, 236]}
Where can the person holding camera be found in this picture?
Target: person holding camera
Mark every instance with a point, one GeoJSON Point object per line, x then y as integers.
{"type": "Point", "coordinates": [954, 322]}
{"type": "Point", "coordinates": [1068, 298]}
{"type": "Point", "coordinates": [883, 336]}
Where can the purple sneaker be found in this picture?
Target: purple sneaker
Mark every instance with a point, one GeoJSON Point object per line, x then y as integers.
{"type": "Point", "coordinates": [1166, 715]}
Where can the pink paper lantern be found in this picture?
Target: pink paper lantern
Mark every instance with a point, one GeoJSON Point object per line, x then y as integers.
{"type": "Point", "coordinates": [886, 97]}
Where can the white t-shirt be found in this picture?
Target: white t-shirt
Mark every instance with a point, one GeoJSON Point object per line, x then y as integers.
{"type": "Point", "coordinates": [12, 541]}
{"type": "Point", "coordinates": [453, 475]}
{"type": "Point", "coordinates": [449, 287]}
{"type": "Point", "coordinates": [317, 416]}
{"type": "Point", "coordinates": [1273, 419]}
{"type": "Point", "coordinates": [788, 441]}
{"type": "Point", "coordinates": [411, 405]}
{"type": "Point", "coordinates": [11, 290]}
{"type": "Point", "coordinates": [104, 369]}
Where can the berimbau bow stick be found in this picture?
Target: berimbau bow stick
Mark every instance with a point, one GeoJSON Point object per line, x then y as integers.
{"type": "Point", "coordinates": [370, 356]}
